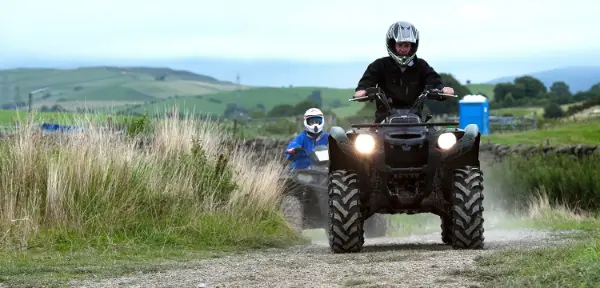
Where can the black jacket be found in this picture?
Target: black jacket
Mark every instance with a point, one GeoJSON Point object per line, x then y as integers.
{"type": "Point", "coordinates": [402, 88]}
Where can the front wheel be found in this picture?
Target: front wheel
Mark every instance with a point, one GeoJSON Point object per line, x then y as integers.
{"type": "Point", "coordinates": [346, 221]}
{"type": "Point", "coordinates": [467, 209]}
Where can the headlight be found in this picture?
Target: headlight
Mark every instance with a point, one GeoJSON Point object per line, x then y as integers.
{"type": "Point", "coordinates": [447, 140]}
{"type": "Point", "coordinates": [364, 143]}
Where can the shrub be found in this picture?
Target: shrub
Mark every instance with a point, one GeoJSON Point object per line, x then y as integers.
{"type": "Point", "coordinates": [565, 179]}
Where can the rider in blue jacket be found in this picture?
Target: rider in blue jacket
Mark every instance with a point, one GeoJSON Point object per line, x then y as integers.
{"type": "Point", "coordinates": [312, 135]}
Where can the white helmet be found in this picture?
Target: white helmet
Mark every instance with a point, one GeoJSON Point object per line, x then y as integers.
{"type": "Point", "coordinates": [314, 114]}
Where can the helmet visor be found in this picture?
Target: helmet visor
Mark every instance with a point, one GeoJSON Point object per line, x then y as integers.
{"type": "Point", "coordinates": [314, 120]}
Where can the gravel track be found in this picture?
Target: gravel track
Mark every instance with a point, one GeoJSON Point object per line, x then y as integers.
{"type": "Point", "coordinates": [414, 261]}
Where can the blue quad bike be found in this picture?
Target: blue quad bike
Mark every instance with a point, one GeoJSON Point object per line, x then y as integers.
{"type": "Point", "coordinates": [305, 203]}
{"type": "Point", "coordinates": [404, 165]}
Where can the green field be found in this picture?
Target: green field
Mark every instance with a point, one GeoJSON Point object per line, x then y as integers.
{"type": "Point", "coordinates": [8, 118]}
{"type": "Point", "coordinates": [525, 111]}
{"type": "Point", "coordinates": [253, 98]}
{"type": "Point", "coordinates": [575, 132]}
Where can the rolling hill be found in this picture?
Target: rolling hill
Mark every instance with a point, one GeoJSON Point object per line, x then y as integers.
{"type": "Point", "coordinates": [263, 98]}
{"type": "Point", "coordinates": [158, 89]}
{"type": "Point", "coordinates": [268, 97]}
{"type": "Point", "coordinates": [103, 86]}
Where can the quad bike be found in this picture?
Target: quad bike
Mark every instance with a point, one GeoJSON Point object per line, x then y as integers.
{"type": "Point", "coordinates": [403, 165]}
{"type": "Point", "coordinates": [305, 205]}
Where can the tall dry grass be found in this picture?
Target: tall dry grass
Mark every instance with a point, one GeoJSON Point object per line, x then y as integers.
{"type": "Point", "coordinates": [189, 185]}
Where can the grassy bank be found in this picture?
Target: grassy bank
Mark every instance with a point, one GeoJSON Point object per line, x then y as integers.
{"type": "Point", "coordinates": [553, 192]}
{"type": "Point", "coordinates": [72, 206]}
{"type": "Point", "coordinates": [574, 264]}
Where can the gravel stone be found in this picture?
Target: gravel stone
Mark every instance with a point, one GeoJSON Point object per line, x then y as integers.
{"type": "Point", "coordinates": [414, 261]}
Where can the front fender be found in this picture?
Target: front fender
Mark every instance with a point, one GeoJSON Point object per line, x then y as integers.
{"type": "Point", "coordinates": [466, 149]}
{"type": "Point", "coordinates": [342, 154]}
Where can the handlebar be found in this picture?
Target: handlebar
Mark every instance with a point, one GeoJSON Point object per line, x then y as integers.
{"type": "Point", "coordinates": [358, 98]}
{"type": "Point", "coordinates": [426, 93]}
{"type": "Point", "coordinates": [437, 92]}
{"type": "Point", "coordinates": [375, 93]}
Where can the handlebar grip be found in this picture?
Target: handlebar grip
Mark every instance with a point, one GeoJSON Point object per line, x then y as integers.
{"type": "Point", "coordinates": [359, 98]}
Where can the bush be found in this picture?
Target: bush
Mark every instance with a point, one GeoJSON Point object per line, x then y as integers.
{"type": "Point", "coordinates": [92, 187]}
{"type": "Point", "coordinates": [565, 179]}
{"type": "Point", "coordinates": [553, 110]}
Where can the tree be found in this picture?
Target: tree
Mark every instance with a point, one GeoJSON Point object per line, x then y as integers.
{"type": "Point", "coordinates": [595, 88]}
{"type": "Point", "coordinates": [449, 106]}
{"type": "Point", "coordinates": [509, 101]}
{"type": "Point", "coordinates": [553, 110]}
{"type": "Point", "coordinates": [582, 96]}
{"type": "Point", "coordinates": [531, 87]}
{"type": "Point", "coordinates": [561, 88]}
{"type": "Point", "coordinates": [501, 89]}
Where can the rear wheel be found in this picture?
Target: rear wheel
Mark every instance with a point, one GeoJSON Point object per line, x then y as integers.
{"type": "Point", "coordinates": [293, 212]}
{"type": "Point", "coordinates": [346, 221]}
{"type": "Point", "coordinates": [467, 209]}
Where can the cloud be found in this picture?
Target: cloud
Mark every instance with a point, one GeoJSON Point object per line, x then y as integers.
{"type": "Point", "coordinates": [301, 30]}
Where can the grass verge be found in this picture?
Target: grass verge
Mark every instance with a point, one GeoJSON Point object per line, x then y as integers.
{"type": "Point", "coordinates": [92, 202]}
{"type": "Point", "coordinates": [571, 265]}
{"type": "Point", "coordinates": [552, 192]}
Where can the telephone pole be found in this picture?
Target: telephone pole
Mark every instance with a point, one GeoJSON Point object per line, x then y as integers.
{"type": "Point", "coordinates": [239, 92]}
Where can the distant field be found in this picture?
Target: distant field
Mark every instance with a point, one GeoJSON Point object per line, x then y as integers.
{"type": "Point", "coordinates": [487, 89]}
{"type": "Point", "coordinates": [579, 132]}
{"type": "Point", "coordinates": [252, 98]}
{"type": "Point", "coordinates": [8, 117]}
{"type": "Point", "coordinates": [113, 85]}
{"type": "Point", "coordinates": [525, 111]}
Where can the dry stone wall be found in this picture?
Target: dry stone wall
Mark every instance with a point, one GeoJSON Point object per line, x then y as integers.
{"type": "Point", "coordinates": [493, 151]}
{"type": "Point", "coordinates": [501, 151]}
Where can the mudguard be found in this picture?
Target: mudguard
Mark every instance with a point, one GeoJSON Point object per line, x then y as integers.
{"type": "Point", "coordinates": [341, 149]}
{"type": "Point", "coordinates": [467, 144]}
{"type": "Point", "coordinates": [338, 134]}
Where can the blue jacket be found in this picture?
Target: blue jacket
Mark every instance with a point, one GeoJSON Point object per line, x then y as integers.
{"type": "Point", "coordinates": [302, 160]}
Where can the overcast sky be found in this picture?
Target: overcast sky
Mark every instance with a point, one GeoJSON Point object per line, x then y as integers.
{"type": "Point", "coordinates": [303, 29]}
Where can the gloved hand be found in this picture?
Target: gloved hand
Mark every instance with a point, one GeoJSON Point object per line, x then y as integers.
{"type": "Point", "coordinates": [291, 151]}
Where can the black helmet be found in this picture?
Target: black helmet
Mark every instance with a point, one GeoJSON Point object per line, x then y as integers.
{"type": "Point", "coordinates": [402, 31]}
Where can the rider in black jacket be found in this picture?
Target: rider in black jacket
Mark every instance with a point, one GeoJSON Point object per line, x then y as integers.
{"type": "Point", "coordinates": [401, 75]}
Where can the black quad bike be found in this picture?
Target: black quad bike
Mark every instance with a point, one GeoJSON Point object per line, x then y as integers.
{"type": "Point", "coordinates": [305, 203]}
{"type": "Point", "coordinates": [405, 166]}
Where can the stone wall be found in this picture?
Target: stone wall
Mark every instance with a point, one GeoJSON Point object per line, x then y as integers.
{"type": "Point", "coordinates": [500, 151]}
{"type": "Point", "coordinates": [493, 151]}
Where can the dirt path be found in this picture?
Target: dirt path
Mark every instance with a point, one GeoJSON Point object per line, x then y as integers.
{"type": "Point", "coordinates": [415, 261]}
